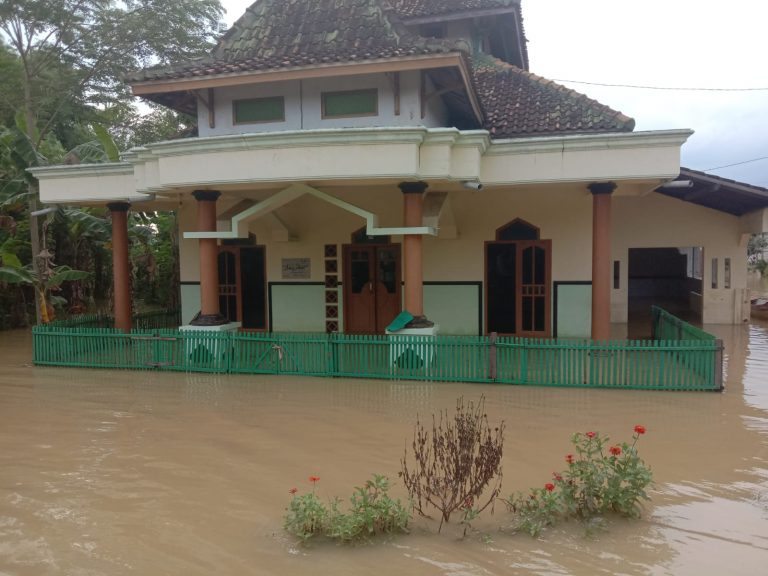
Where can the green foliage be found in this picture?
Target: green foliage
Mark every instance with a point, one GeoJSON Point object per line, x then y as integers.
{"type": "Point", "coordinates": [371, 512]}
{"type": "Point", "coordinates": [594, 484]}
{"type": "Point", "coordinates": [454, 461]}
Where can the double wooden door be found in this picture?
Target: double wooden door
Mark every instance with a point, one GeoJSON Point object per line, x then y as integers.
{"type": "Point", "coordinates": [517, 280]}
{"type": "Point", "coordinates": [371, 282]}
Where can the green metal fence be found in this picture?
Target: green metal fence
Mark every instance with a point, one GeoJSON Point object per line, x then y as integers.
{"type": "Point", "coordinates": [632, 364]}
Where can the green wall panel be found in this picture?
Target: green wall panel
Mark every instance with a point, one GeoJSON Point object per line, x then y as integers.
{"type": "Point", "coordinates": [190, 302]}
{"type": "Point", "coordinates": [455, 307]}
{"type": "Point", "coordinates": [298, 307]}
{"type": "Point", "coordinates": [574, 310]}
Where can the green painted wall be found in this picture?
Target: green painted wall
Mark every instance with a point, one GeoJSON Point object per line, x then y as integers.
{"type": "Point", "coordinates": [190, 302]}
{"type": "Point", "coordinates": [298, 308]}
{"type": "Point", "coordinates": [455, 307]}
{"type": "Point", "coordinates": [574, 310]}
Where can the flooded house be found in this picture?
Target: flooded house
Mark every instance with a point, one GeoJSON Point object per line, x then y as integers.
{"type": "Point", "coordinates": [357, 159]}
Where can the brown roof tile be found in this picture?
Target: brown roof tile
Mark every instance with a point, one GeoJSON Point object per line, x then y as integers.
{"type": "Point", "coordinates": [517, 103]}
{"type": "Point", "coordinates": [421, 8]}
{"type": "Point", "coordinates": [289, 33]}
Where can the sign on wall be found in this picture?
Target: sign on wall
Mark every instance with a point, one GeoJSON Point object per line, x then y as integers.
{"type": "Point", "coordinates": [296, 269]}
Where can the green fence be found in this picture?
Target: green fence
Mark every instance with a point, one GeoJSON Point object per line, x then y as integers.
{"type": "Point", "coordinates": [632, 364]}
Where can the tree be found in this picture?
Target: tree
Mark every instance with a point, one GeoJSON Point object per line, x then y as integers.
{"type": "Point", "coordinates": [72, 55]}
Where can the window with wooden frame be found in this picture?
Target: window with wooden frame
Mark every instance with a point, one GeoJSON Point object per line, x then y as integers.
{"type": "Point", "coordinates": [350, 103]}
{"type": "Point", "coordinates": [258, 110]}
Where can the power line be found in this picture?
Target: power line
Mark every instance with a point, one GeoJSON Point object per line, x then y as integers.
{"type": "Point", "coordinates": [672, 88]}
{"type": "Point", "coordinates": [737, 163]}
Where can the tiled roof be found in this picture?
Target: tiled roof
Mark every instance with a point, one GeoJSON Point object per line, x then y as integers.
{"type": "Point", "coordinates": [517, 103]}
{"type": "Point", "coordinates": [718, 193]}
{"type": "Point", "coordinates": [420, 8]}
{"type": "Point", "coordinates": [274, 34]}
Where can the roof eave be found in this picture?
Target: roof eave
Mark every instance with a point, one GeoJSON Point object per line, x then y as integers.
{"type": "Point", "coordinates": [401, 64]}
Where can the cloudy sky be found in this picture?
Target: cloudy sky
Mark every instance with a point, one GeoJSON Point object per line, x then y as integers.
{"type": "Point", "coordinates": [663, 43]}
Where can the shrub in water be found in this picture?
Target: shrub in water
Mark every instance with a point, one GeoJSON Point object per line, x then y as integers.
{"type": "Point", "coordinates": [454, 462]}
{"type": "Point", "coordinates": [371, 512]}
{"type": "Point", "coordinates": [598, 480]}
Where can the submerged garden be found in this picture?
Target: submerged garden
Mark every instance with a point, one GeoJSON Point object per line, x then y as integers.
{"type": "Point", "coordinates": [455, 469]}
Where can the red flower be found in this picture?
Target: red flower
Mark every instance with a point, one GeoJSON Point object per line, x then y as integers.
{"type": "Point", "coordinates": [549, 486]}
{"type": "Point", "coordinates": [468, 502]}
{"type": "Point", "coordinates": [557, 476]}
{"type": "Point", "coordinates": [615, 450]}
{"type": "Point", "coordinates": [640, 429]}
{"type": "Point", "coordinates": [590, 434]}
{"type": "Point", "coordinates": [314, 479]}
{"type": "Point", "coordinates": [569, 458]}
{"type": "Point", "coordinates": [293, 491]}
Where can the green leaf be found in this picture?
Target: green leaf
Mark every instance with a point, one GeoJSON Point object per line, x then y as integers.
{"type": "Point", "coordinates": [110, 148]}
{"type": "Point", "coordinates": [10, 260]}
{"type": "Point", "coordinates": [65, 274]}
{"type": "Point", "coordinates": [11, 275]}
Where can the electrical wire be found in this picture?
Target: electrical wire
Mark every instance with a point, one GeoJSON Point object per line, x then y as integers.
{"type": "Point", "coordinates": [672, 88]}
{"type": "Point", "coordinates": [737, 163]}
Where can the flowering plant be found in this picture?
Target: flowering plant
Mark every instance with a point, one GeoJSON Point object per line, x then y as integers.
{"type": "Point", "coordinates": [595, 483]}
{"type": "Point", "coordinates": [371, 512]}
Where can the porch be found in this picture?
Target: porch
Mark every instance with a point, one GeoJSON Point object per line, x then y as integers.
{"type": "Point", "coordinates": [683, 358]}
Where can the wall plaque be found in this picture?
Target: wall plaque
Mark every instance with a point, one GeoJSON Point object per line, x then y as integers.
{"type": "Point", "coordinates": [296, 269]}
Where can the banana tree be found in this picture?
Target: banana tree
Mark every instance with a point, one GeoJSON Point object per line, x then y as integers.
{"type": "Point", "coordinates": [51, 279]}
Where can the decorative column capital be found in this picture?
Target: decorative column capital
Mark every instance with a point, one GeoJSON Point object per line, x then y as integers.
{"type": "Point", "coordinates": [598, 188]}
{"type": "Point", "coordinates": [119, 206]}
{"type": "Point", "coordinates": [413, 187]}
{"type": "Point", "coordinates": [206, 195]}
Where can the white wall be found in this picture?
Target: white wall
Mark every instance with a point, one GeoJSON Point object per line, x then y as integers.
{"type": "Point", "coordinates": [303, 105]}
{"type": "Point", "coordinates": [563, 213]}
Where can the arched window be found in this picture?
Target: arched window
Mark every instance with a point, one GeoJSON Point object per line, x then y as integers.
{"type": "Point", "coordinates": [517, 229]}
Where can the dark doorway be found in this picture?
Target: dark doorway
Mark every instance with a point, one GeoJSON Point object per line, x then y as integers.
{"type": "Point", "coordinates": [667, 277]}
{"type": "Point", "coordinates": [517, 279]}
{"type": "Point", "coordinates": [242, 285]}
{"type": "Point", "coordinates": [371, 284]}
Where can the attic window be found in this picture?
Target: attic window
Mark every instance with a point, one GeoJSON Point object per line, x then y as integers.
{"type": "Point", "coordinates": [434, 30]}
{"type": "Point", "coordinates": [259, 110]}
{"type": "Point", "coordinates": [350, 103]}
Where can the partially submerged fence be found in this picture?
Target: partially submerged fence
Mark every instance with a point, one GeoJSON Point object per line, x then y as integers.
{"type": "Point", "coordinates": [631, 364]}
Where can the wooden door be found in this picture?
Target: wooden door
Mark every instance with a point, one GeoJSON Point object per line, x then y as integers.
{"type": "Point", "coordinates": [517, 287]}
{"type": "Point", "coordinates": [243, 285]}
{"type": "Point", "coordinates": [533, 298]}
{"type": "Point", "coordinates": [371, 281]}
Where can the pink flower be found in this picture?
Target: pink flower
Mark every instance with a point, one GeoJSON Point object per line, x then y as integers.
{"type": "Point", "coordinates": [569, 458]}
{"type": "Point", "coordinates": [590, 435]}
{"type": "Point", "coordinates": [549, 486]}
{"type": "Point", "coordinates": [293, 491]}
{"type": "Point", "coordinates": [557, 476]}
{"type": "Point", "coordinates": [314, 479]}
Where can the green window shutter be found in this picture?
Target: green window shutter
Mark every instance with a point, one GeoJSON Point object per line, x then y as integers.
{"type": "Point", "coordinates": [350, 103]}
{"type": "Point", "coordinates": [256, 110]}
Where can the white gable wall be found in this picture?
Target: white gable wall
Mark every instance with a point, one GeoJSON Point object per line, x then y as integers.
{"type": "Point", "coordinates": [303, 105]}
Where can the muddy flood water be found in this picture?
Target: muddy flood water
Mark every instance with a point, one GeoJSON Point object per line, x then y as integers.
{"type": "Point", "coordinates": [114, 473]}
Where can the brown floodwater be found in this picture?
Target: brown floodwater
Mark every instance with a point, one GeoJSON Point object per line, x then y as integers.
{"type": "Point", "coordinates": [110, 472]}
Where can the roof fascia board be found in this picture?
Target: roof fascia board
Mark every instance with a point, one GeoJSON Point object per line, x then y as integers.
{"type": "Point", "coordinates": [741, 187]}
{"type": "Point", "coordinates": [464, 15]}
{"type": "Point", "coordinates": [80, 170]}
{"type": "Point", "coordinates": [466, 77]}
{"type": "Point", "coordinates": [603, 141]}
{"type": "Point", "coordinates": [149, 87]}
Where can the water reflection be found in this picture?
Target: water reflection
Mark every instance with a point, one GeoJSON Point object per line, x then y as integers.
{"type": "Point", "coordinates": [146, 472]}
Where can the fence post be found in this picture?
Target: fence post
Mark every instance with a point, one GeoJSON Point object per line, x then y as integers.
{"type": "Point", "coordinates": [719, 386]}
{"type": "Point", "coordinates": [492, 366]}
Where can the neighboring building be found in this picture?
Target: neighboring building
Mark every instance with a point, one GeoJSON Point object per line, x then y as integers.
{"type": "Point", "coordinates": [358, 157]}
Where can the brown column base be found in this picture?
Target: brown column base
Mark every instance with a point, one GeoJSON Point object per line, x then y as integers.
{"type": "Point", "coordinates": [209, 320]}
